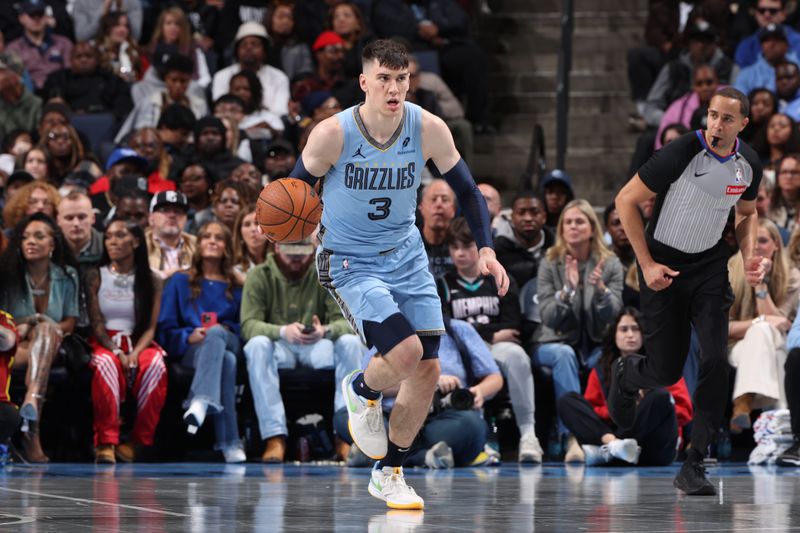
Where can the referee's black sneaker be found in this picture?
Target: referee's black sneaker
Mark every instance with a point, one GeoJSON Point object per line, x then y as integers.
{"type": "Point", "coordinates": [790, 457]}
{"type": "Point", "coordinates": [692, 477]}
{"type": "Point", "coordinates": [621, 404]}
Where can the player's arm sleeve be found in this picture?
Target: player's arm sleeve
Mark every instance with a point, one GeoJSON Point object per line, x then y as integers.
{"type": "Point", "coordinates": [299, 171]}
{"type": "Point", "coordinates": [666, 165]}
{"type": "Point", "coordinates": [472, 203]}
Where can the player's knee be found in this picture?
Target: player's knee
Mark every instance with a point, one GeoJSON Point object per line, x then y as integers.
{"type": "Point", "coordinates": [406, 356]}
{"type": "Point", "coordinates": [428, 371]}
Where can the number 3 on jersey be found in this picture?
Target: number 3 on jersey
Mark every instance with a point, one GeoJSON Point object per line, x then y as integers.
{"type": "Point", "coordinates": [381, 208]}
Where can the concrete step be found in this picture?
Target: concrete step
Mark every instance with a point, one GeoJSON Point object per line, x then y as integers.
{"type": "Point", "coordinates": [545, 81]}
{"type": "Point", "coordinates": [542, 102]}
{"type": "Point", "coordinates": [548, 6]}
{"type": "Point", "coordinates": [590, 131]}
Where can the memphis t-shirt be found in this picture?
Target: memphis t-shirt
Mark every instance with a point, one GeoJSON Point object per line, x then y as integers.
{"type": "Point", "coordinates": [695, 191]}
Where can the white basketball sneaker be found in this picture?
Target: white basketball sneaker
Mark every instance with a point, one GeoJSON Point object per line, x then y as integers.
{"type": "Point", "coordinates": [389, 485]}
{"type": "Point", "coordinates": [365, 421]}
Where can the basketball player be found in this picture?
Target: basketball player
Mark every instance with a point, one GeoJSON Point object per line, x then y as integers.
{"type": "Point", "coordinates": [683, 268]}
{"type": "Point", "coordinates": [372, 257]}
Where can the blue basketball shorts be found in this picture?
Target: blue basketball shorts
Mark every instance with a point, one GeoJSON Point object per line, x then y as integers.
{"type": "Point", "coordinates": [373, 288]}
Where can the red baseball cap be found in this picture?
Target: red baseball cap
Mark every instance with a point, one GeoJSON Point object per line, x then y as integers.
{"type": "Point", "coordinates": [327, 38]}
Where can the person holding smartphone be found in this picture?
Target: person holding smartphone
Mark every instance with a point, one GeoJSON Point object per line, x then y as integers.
{"type": "Point", "coordinates": [282, 333]}
{"type": "Point", "coordinates": [199, 325]}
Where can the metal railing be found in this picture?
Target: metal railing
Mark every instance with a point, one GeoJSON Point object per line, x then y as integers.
{"type": "Point", "coordinates": [562, 82]}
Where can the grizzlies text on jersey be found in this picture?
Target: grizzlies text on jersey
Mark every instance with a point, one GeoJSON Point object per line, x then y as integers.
{"type": "Point", "coordinates": [370, 193]}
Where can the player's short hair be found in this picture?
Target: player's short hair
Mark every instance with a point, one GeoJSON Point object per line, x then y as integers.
{"type": "Point", "coordinates": [389, 53]}
{"type": "Point", "coordinates": [458, 232]}
{"type": "Point", "coordinates": [744, 102]}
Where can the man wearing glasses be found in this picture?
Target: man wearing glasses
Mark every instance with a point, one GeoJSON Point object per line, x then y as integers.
{"type": "Point", "coordinates": [766, 12]}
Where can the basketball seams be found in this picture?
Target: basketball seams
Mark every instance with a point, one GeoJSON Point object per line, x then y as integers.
{"type": "Point", "coordinates": [273, 196]}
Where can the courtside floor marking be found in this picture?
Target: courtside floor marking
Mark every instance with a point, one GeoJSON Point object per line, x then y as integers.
{"type": "Point", "coordinates": [96, 502]}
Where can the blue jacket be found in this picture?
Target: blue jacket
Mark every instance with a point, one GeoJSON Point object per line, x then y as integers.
{"type": "Point", "coordinates": [180, 314]}
{"type": "Point", "coordinates": [749, 49]}
{"type": "Point", "coordinates": [759, 74]}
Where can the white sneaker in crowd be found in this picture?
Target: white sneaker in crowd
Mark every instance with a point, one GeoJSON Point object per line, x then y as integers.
{"type": "Point", "coordinates": [530, 451]}
{"type": "Point", "coordinates": [440, 455]}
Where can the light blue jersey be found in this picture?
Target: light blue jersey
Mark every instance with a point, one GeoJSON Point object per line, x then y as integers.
{"type": "Point", "coordinates": [370, 193]}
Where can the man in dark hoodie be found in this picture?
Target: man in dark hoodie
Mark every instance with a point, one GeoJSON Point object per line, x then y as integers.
{"type": "Point", "coordinates": [521, 251]}
{"type": "Point", "coordinates": [209, 148]}
{"type": "Point", "coordinates": [556, 192]}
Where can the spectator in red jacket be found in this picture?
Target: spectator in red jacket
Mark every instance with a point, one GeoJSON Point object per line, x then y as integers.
{"type": "Point", "coordinates": [660, 413]}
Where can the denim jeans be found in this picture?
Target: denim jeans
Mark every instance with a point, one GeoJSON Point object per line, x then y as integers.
{"type": "Point", "coordinates": [464, 431]}
{"type": "Point", "coordinates": [265, 357]}
{"type": "Point", "coordinates": [214, 361]}
{"type": "Point", "coordinates": [561, 359]}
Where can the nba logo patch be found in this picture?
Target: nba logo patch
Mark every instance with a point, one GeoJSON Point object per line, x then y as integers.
{"type": "Point", "coordinates": [739, 175]}
{"type": "Point", "coordinates": [345, 264]}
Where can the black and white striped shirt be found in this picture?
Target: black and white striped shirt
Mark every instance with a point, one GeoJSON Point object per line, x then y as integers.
{"type": "Point", "coordinates": [695, 191]}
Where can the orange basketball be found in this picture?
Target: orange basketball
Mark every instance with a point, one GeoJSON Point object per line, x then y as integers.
{"type": "Point", "coordinates": [288, 210]}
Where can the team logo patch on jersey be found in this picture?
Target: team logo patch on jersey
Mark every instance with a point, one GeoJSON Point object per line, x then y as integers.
{"type": "Point", "coordinates": [735, 189]}
{"type": "Point", "coordinates": [405, 149]}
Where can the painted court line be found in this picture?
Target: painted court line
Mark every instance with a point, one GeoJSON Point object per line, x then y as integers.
{"type": "Point", "coordinates": [95, 502]}
{"type": "Point", "coordinates": [19, 519]}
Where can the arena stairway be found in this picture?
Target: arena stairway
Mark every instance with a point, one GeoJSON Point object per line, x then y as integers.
{"type": "Point", "coordinates": [523, 38]}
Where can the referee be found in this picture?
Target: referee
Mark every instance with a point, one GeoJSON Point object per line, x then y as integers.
{"type": "Point", "coordinates": [683, 271]}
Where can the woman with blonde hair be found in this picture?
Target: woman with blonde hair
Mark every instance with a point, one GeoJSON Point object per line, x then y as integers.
{"type": "Point", "coordinates": [760, 318]}
{"type": "Point", "coordinates": [580, 297]}
{"type": "Point", "coordinates": [35, 197]}
{"type": "Point", "coordinates": [199, 324]}
{"type": "Point", "coordinates": [173, 28]}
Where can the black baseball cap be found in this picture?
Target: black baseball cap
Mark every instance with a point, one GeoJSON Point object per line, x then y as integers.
{"type": "Point", "coordinates": [772, 31]}
{"type": "Point", "coordinates": [31, 7]}
{"type": "Point", "coordinates": [701, 31]}
{"type": "Point", "coordinates": [169, 198]}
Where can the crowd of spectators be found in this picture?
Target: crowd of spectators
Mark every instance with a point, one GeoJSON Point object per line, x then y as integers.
{"type": "Point", "coordinates": [137, 135]}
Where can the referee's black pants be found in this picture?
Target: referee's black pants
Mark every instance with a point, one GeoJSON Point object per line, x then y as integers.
{"type": "Point", "coordinates": [655, 427]}
{"type": "Point", "coordinates": [792, 386]}
{"type": "Point", "coordinates": [702, 297]}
